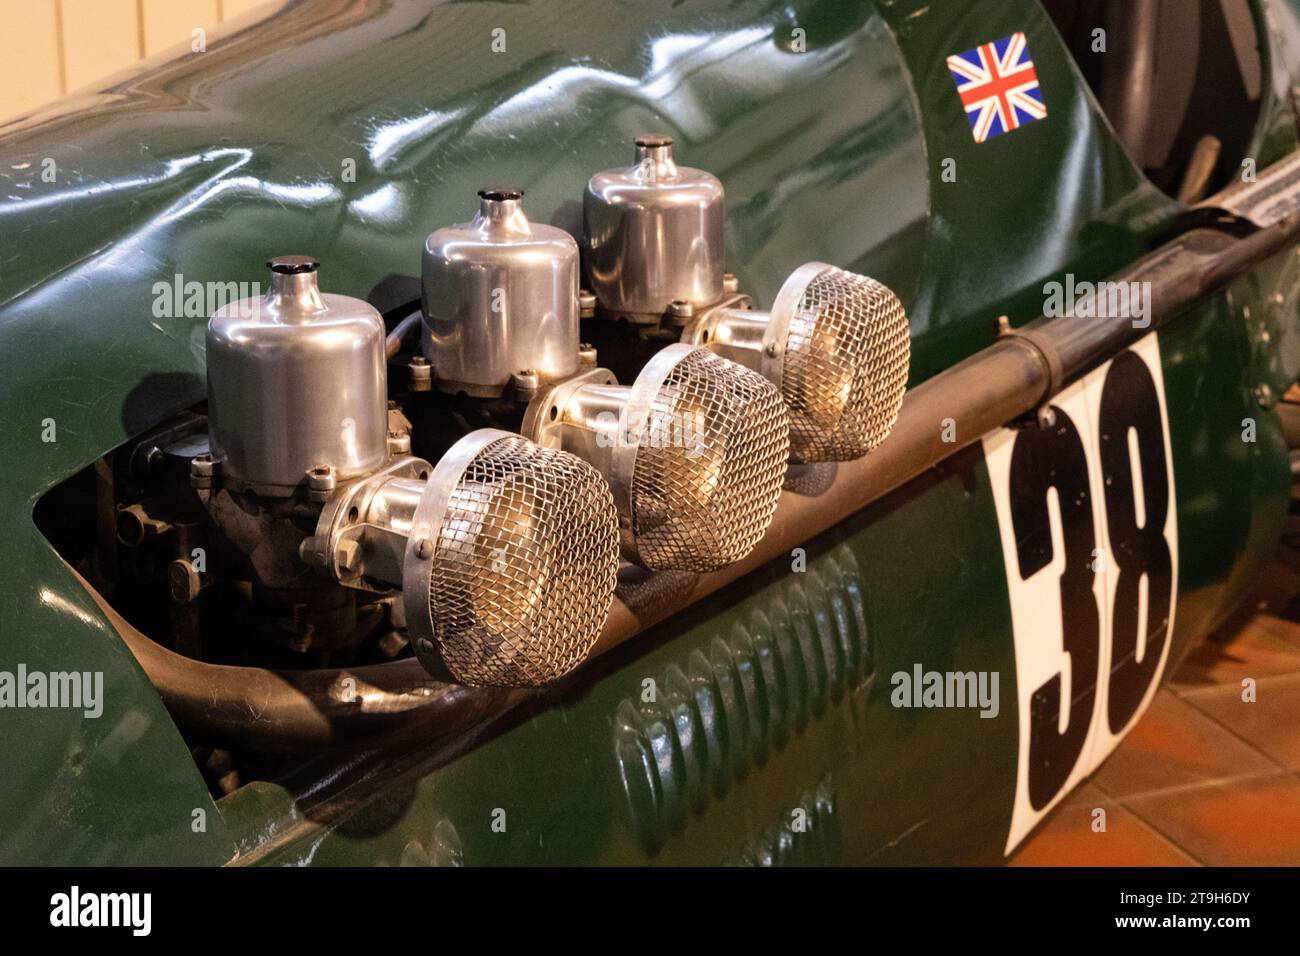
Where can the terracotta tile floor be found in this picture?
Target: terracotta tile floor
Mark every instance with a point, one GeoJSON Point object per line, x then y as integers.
{"type": "Point", "coordinates": [1204, 778]}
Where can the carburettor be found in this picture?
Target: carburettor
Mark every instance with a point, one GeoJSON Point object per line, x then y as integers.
{"type": "Point", "coordinates": [694, 450]}
{"type": "Point", "coordinates": [836, 344]}
{"type": "Point", "coordinates": [296, 386]}
{"type": "Point", "coordinates": [654, 234]}
{"type": "Point", "coordinates": [500, 561]}
{"type": "Point", "coordinates": [297, 405]}
{"type": "Point", "coordinates": [499, 297]}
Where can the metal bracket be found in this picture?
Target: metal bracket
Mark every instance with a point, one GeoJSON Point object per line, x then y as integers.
{"type": "Point", "coordinates": [700, 329]}
{"type": "Point", "coordinates": [1045, 347]}
{"type": "Point", "coordinates": [339, 542]}
{"type": "Point", "coordinates": [544, 418]}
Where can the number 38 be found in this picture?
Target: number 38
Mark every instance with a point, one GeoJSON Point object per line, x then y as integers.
{"type": "Point", "coordinates": [1130, 431]}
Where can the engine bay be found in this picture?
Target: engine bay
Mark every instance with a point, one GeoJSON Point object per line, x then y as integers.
{"type": "Point", "coordinates": [382, 510]}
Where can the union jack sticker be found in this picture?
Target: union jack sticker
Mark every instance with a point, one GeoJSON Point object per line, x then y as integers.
{"type": "Point", "coordinates": [998, 86]}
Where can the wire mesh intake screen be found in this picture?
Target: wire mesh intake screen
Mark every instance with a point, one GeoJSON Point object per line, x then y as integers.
{"type": "Point", "coordinates": [846, 364]}
{"type": "Point", "coordinates": [525, 565]}
{"type": "Point", "coordinates": [709, 467]}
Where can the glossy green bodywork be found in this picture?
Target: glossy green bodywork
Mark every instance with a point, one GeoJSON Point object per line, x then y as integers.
{"type": "Point", "coordinates": [769, 696]}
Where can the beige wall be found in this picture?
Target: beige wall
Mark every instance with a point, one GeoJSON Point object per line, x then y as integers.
{"type": "Point", "coordinates": [51, 47]}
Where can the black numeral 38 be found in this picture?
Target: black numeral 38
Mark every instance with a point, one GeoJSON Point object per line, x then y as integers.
{"type": "Point", "coordinates": [1055, 458]}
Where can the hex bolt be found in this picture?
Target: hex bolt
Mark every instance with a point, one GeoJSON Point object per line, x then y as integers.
{"type": "Point", "coordinates": [348, 555]}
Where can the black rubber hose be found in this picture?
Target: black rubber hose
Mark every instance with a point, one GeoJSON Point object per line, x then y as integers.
{"type": "Point", "coordinates": [295, 711]}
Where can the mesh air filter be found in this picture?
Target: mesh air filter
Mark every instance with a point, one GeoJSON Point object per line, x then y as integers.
{"type": "Point", "coordinates": [709, 465]}
{"type": "Point", "coordinates": [845, 366]}
{"type": "Point", "coordinates": [523, 566]}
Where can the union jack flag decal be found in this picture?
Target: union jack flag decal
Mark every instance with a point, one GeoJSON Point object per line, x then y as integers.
{"type": "Point", "coordinates": [998, 86]}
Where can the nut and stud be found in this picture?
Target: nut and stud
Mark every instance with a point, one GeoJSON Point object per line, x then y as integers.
{"type": "Point", "coordinates": [526, 382]}
{"type": "Point", "coordinates": [203, 471]}
{"type": "Point", "coordinates": [320, 483]}
{"type": "Point", "coordinates": [421, 374]}
{"type": "Point", "coordinates": [399, 443]}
